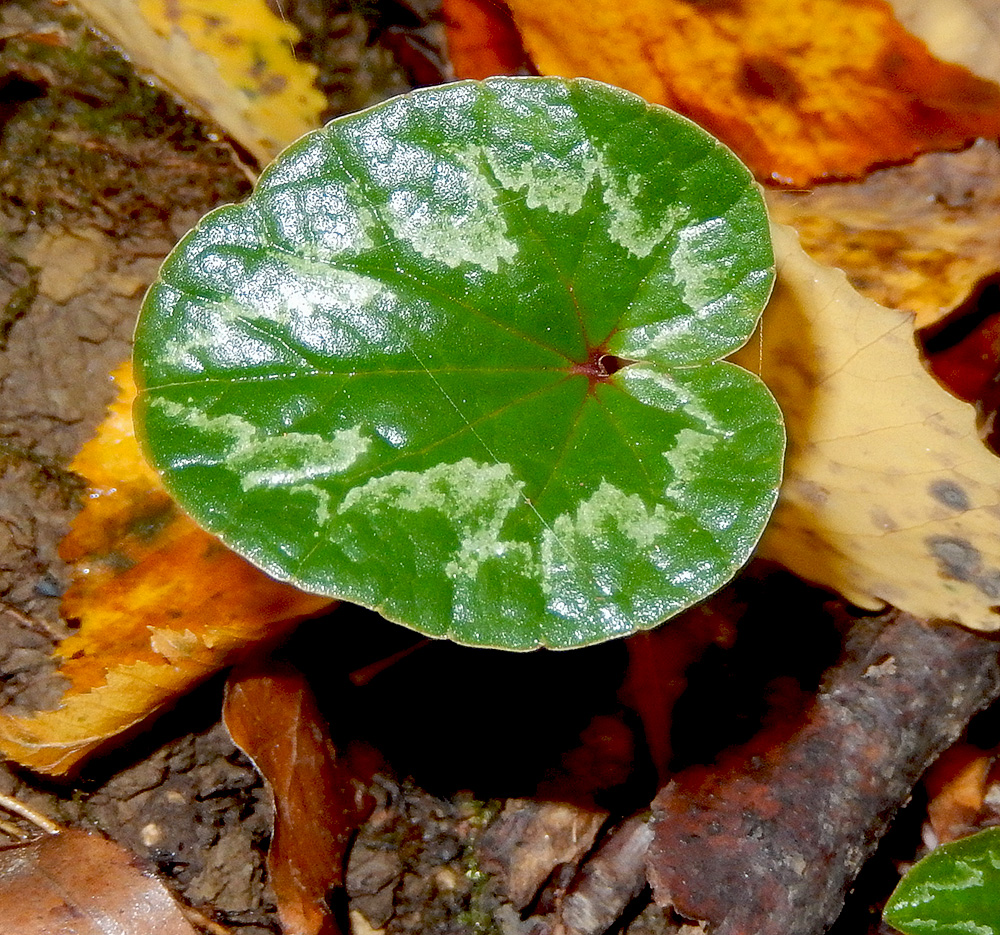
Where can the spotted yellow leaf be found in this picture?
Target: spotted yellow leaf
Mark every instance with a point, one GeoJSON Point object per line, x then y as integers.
{"type": "Point", "coordinates": [889, 495]}
{"type": "Point", "coordinates": [234, 62]}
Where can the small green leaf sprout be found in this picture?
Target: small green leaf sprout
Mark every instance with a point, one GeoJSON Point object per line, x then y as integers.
{"type": "Point", "coordinates": [458, 359]}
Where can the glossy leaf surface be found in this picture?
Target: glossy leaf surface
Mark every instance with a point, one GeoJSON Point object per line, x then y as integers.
{"type": "Point", "coordinates": [456, 359]}
{"type": "Point", "coordinates": [953, 890]}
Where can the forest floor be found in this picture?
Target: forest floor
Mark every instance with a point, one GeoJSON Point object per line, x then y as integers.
{"type": "Point", "coordinates": [493, 776]}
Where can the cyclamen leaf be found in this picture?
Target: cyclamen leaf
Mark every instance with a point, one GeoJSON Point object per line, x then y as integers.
{"type": "Point", "coordinates": [456, 359]}
{"type": "Point", "coordinates": [952, 891]}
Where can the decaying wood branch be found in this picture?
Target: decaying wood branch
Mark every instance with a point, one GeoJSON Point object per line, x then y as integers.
{"type": "Point", "coordinates": [767, 841]}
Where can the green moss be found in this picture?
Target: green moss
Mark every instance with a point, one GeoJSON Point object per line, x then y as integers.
{"type": "Point", "coordinates": [104, 144]}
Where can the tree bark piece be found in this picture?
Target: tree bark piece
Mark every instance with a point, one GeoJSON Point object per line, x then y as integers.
{"type": "Point", "coordinates": [530, 841]}
{"type": "Point", "coordinates": [767, 841]}
{"type": "Point", "coordinates": [608, 880]}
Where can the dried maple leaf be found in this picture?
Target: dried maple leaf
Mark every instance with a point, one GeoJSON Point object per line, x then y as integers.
{"type": "Point", "coordinates": [889, 495]}
{"type": "Point", "coordinates": [271, 715]}
{"type": "Point", "coordinates": [161, 605]}
{"type": "Point", "coordinates": [74, 883]}
{"type": "Point", "coordinates": [232, 61]}
{"type": "Point", "coordinates": [794, 89]}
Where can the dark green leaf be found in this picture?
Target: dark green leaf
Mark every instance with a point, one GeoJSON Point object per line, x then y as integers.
{"type": "Point", "coordinates": [456, 359]}
{"type": "Point", "coordinates": [955, 890]}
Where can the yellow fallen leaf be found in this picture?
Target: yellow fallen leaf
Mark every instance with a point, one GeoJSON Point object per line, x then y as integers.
{"type": "Point", "coordinates": [800, 89]}
{"type": "Point", "coordinates": [161, 606]}
{"type": "Point", "coordinates": [234, 62]}
{"type": "Point", "coordinates": [889, 495]}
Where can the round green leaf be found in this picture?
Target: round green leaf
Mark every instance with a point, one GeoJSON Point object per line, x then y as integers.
{"type": "Point", "coordinates": [955, 890]}
{"type": "Point", "coordinates": [457, 359]}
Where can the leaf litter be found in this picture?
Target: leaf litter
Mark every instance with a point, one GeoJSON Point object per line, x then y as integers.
{"type": "Point", "coordinates": [160, 606]}
{"type": "Point", "coordinates": [945, 497]}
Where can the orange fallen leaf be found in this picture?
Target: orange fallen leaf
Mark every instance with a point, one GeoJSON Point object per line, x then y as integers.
{"type": "Point", "coordinates": [271, 715]}
{"type": "Point", "coordinates": [482, 39]}
{"type": "Point", "coordinates": [161, 605]}
{"type": "Point", "coordinates": [74, 883]}
{"type": "Point", "coordinates": [956, 789]}
{"type": "Point", "coordinates": [801, 91]}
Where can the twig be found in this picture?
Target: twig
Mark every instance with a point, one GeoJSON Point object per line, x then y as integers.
{"type": "Point", "coordinates": [13, 831]}
{"type": "Point", "coordinates": [609, 880]}
{"type": "Point", "coordinates": [202, 921]}
{"type": "Point", "coordinates": [19, 808]}
{"type": "Point", "coordinates": [769, 840]}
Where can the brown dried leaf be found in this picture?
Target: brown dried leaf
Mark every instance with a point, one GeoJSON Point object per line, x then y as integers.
{"type": "Point", "coordinates": [889, 495]}
{"type": "Point", "coordinates": [794, 88]}
{"type": "Point", "coordinates": [956, 787]}
{"type": "Point", "coordinates": [161, 605]}
{"type": "Point", "coordinates": [319, 801]}
{"type": "Point", "coordinates": [916, 237]}
{"type": "Point", "coordinates": [482, 39]}
{"type": "Point", "coordinates": [74, 883]}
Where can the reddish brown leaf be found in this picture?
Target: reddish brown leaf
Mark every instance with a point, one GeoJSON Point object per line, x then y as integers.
{"type": "Point", "coordinates": [74, 883]}
{"type": "Point", "coordinates": [482, 39]}
{"type": "Point", "coordinates": [658, 662]}
{"type": "Point", "coordinates": [801, 90]}
{"type": "Point", "coordinates": [161, 605]}
{"type": "Point", "coordinates": [318, 799]}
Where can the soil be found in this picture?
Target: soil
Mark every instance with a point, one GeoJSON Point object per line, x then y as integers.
{"type": "Point", "coordinates": [494, 762]}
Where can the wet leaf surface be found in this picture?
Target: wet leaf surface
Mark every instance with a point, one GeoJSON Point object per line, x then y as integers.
{"type": "Point", "coordinates": [402, 375]}
{"type": "Point", "coordinates": [795, 89]}
{"type": "Point", "coordinates": [74, 883]}
{"type": "Point", "coordinates": [951, 891]}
